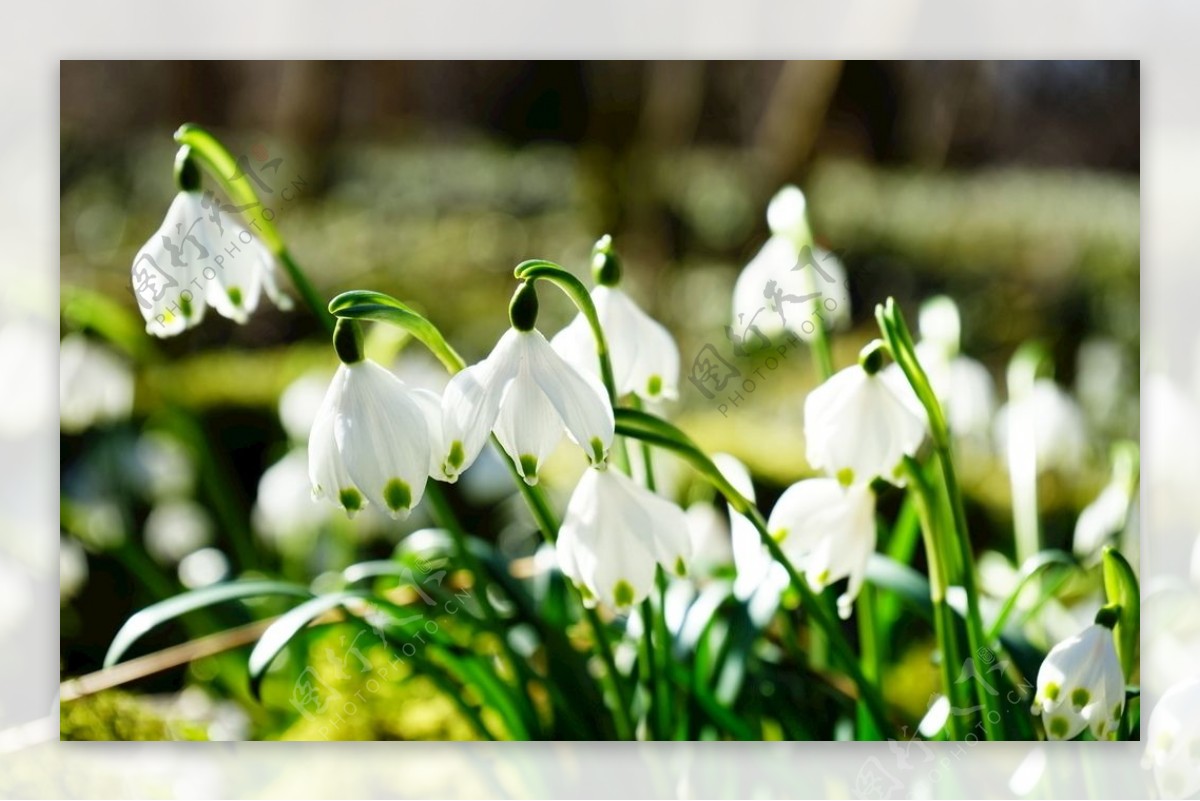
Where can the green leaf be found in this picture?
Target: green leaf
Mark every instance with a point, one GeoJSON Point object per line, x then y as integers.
{"type": "Point", "coordinates": [1121, 587]}
{"type": "Point", "coordinates": [153, 616]}
{"type": "Point", "coordinates": [360, 304]}
{"type": "Point", "coordinates": [281, 632]}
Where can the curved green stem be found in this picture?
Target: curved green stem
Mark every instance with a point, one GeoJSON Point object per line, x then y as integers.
{"type": "Point", "coordinates": [234, 180]}
{"type": "Point", "coordinates": [549, 271]}
{"type": "Point", "coordinates": [366, 305]}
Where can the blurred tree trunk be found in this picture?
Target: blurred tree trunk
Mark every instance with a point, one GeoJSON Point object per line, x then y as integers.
{"type": "Point", "coordinates": [309, 113]}
{"type": "Point", "coordinates": [793, 118]}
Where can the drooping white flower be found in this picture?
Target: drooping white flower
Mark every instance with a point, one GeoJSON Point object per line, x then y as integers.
{"type": "Point", "coordinates": [95, 385]}
{"type": "Point", "coordinates": [527, 394]}
{"type": "Point", "coordinates": [645, 358]}
{"type": "Point", "coordinates": [371, 438]}
{"type": "Point", "coordinates": [830, 530]}
{"type": "Point", "coordinates": [615, 533]}
{"type": "Point", "coordinates": [1054, 421]}
{"type": "Point", "coordinates": [790, 280]}
{"type": "Point", "coordinates": [1173, 740]}
{"type": "Point", "coordinates": [1080, 685]}
{"type": "Point", "coordinates": [200, 257]}
{"type": "Point", "coordinates": [857, 428]}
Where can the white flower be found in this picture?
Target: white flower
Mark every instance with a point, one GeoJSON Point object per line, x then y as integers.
{"type": "Point", "coordinates": [645, 358]}
{"type": "Point", "coordinates": [372, 438]}
{"type": "Point", "coordinates": [1173, 740]}
{"type": "Point", "coordinates": [527, 394]}
{"type": "Point", "coordinates": [1054, 421]}
{"type": "Point", "coordinates": [830, 530]}
{"type": "Point", "coordinates": [615, 533]}
{"type": "Point", "coordinates": [790, 279]}
{"type": "Point", "coordinates": [1080, 685]}
{"type": "Point", "coordinates": [95, 385]}
{"type": "Point", "coordinates": [201, 257]}
{"type": "Point", "coordinates": [857, 428]}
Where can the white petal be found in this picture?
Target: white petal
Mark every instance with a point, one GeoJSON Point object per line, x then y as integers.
{"type": "Point", "coordinates": [750, 307]}
{"type": "Point", "coordinates": [430, 404]}
{"type": "Point", "coordinates": [383, 438]}
{"type": "Point", "coordinates": [529, 428]}
{"type": "Point", "coordinates": [615, 532]}
{"type": "Point", "coordinates": [326, 471]}
{"type": "Point", "coordinates": [163, 270]}
{"type": "Point", "coordinates": [855, 422]}
{"type": "Point", "coordinates": [579, 399]}
{"type": "Point", "coordinates": [577, 346]}
{"type": "Point", "coordinates": [644, 354]}
{"type": "Point", "coordinates": [471, 404]}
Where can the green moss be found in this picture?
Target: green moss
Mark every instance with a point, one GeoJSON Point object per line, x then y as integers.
{"type": "Point", "coordinates": [117, 715]}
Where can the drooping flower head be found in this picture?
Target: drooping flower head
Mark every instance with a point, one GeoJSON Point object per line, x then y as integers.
{"type": "Point", "coordinates": [790, 280]}
{"type": "Point", "coordinates": [374, 437]}
{"type": "Point", "coordinates": [615, 534]}
{"type": "Point", "coordinates": [1080, 685]}
{"type": "Point", "coordinates": [527, 395]}
{"type": "Point", "coordinates": [830, 530]}
{"type": "Point", "coordinates": [200, 257]}
{"type": "Point", "coordinates": [856, 428]}
{"type": "Point", "coordinates": [645, 358]}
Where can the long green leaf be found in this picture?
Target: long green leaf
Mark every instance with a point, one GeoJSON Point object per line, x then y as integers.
{"type": "Point", "coordinates": [281, 632]}
{"type": "Point", "coordinates": [153, 616]}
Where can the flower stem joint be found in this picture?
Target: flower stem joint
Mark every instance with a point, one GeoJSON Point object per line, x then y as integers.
{"type": "Point", "coordinates": [606, 265]}
{"type": "Point", "coordinates": [523, 309]}
{"type": "Point", "coordinates": [870, 358]}
{"type": "Point", "coordinates": [348, 341]}
{"type": "Point", "coordinates": [187, 172]}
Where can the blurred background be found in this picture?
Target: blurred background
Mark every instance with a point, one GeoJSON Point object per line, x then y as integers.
{"type": "Point", "coordinates": [1011, 187]}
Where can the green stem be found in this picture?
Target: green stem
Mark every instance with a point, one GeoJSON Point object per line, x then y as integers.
{"type": "Point", "coordinates": [923, 499]}
{"type": "Point", "coordinates": [899, 340]}
{"type": "Point", "coordinates": [304, 286]}
{"type": "Point", "coordinates": [868, 647]}
{"type": "Point", "coordinates": [229, 173]}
